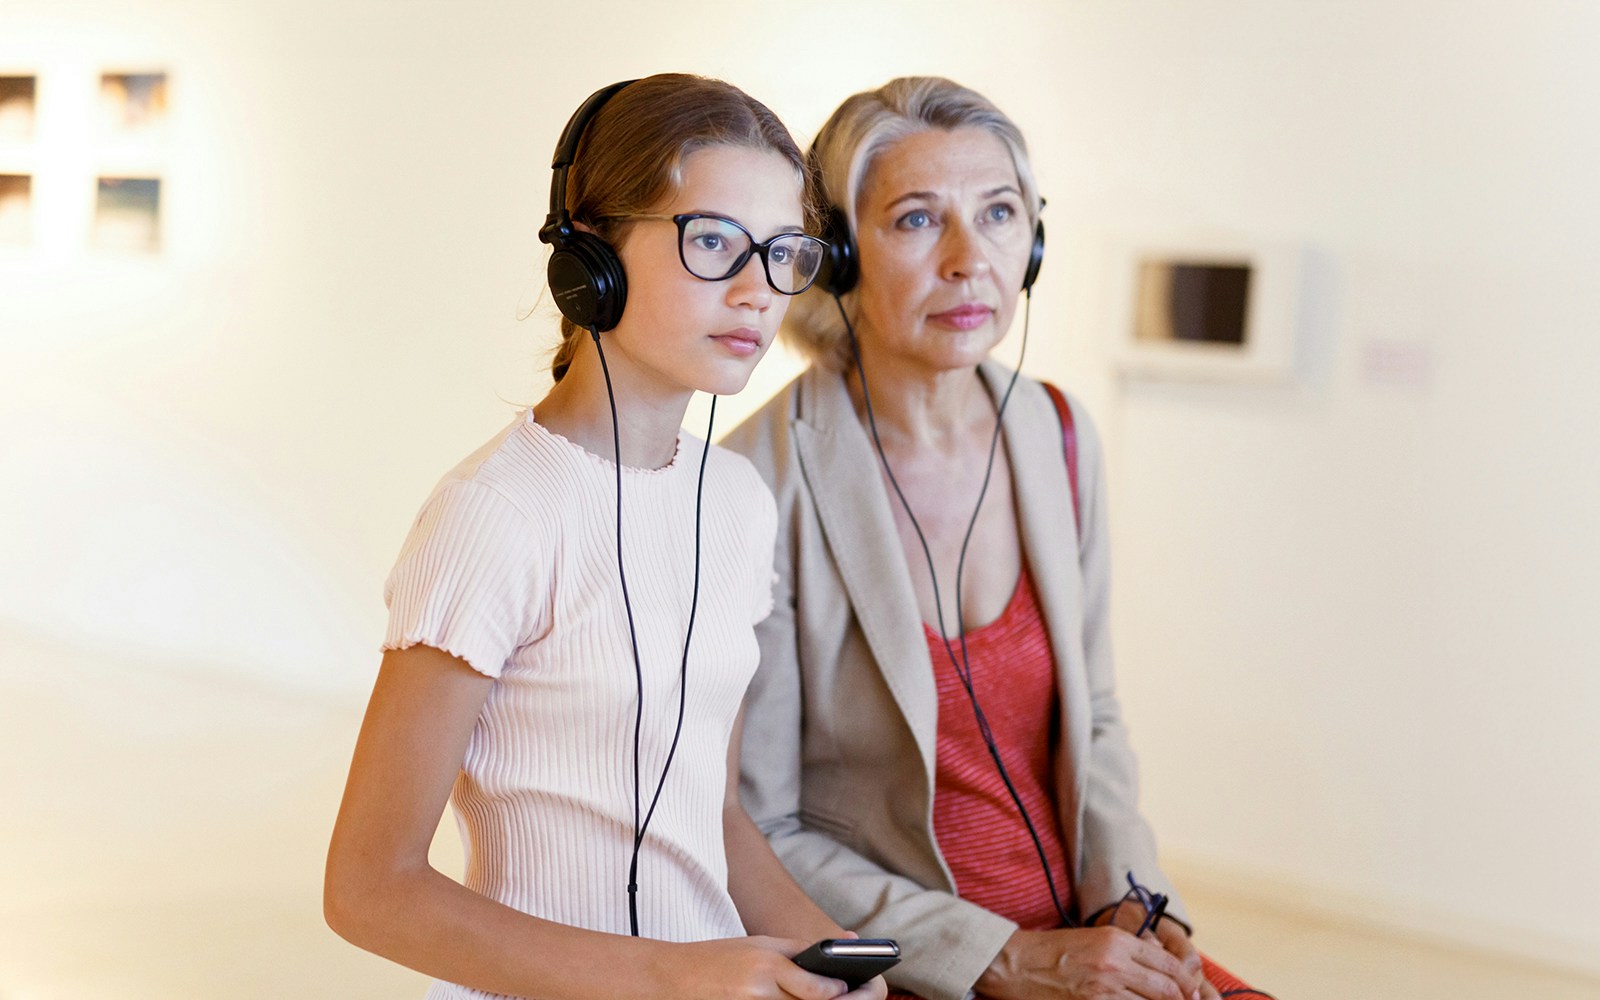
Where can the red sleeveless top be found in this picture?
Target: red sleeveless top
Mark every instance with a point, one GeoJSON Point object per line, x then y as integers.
{"type": "Point", "coordinates": [979, 832]}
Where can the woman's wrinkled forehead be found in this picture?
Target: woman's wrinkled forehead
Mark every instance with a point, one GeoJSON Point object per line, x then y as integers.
{"type": "Point", "coordinates": [936, 162]}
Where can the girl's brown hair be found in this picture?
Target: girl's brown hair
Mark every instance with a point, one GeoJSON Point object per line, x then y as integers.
{"type": "Point", "coordinates": [631, 155]}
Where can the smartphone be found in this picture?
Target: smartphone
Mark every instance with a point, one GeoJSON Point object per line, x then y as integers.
{"type": "Point", "coordinates": [852, 960]}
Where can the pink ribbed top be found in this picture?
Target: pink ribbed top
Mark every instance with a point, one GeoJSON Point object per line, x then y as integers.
{"type": "Point", "coordinates": [511, 565]}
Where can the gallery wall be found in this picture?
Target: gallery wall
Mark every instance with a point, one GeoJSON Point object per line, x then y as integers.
{"type": "Point", "coordinates": [1354, 609]}
{"type": "Point", "coordinates": [1352, 605]}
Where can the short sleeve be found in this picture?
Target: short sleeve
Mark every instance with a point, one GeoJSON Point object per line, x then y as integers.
{"type": "Point", "coordinates": [468, 579]}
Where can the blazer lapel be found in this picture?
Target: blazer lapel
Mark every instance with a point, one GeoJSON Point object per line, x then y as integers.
{"type": "Point", "coordinates": [1050, 545]}
{"type": "Point", "coordinates": [842, 473]}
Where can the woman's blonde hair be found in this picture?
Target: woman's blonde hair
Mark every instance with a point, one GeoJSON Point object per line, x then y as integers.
{"type": "Point", "coordinates": [842, 156]}
{"type": "Point", "coordinates": [631, 155]}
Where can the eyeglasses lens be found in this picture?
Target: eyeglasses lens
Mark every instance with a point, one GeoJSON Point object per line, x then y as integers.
{"type": "Point", "coordinates": [715, 249]}
{"type": "Point", "coordinates": [793, 262]}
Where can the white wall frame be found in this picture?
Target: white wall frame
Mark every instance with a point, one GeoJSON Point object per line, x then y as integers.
{"type": "Point", "coordinates": [1262, 351]}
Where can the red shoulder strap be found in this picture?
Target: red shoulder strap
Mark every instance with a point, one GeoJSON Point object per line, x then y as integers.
{"type": "Point", "coordinates": [1069, 444]}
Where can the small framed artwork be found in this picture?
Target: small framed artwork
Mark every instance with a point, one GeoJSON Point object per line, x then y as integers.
{"type": "Point", "coordinates": [17, 101]}
{"type": "Point", "coordinates": [1205, 312]}
{"type": "Point", "coordinates": [133, 106]}
{"type": "Point", "coordinates": [16, 209]}
{"type": "Point", "coordinates": [127, 215]}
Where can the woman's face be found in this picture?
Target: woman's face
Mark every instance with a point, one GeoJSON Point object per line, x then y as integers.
{"type": "Point", "coordinates": [943, 237]}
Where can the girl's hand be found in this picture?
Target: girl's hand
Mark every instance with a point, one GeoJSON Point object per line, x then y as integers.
{"type": "Point", "coordinates": [873, 989]}
{"type": "Point", "coordinates": [876, 988]}
{"type": "Point", "coordinates": [749, 968]}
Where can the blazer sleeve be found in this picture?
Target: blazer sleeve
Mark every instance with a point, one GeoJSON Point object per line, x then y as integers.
{"type": "Point", "coordinates": [1116, 838]}
{"type": "Point", "coordinates": [946, 942]}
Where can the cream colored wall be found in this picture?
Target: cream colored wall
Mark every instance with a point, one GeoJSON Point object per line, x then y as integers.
{"type": "Point", "coordinates": [1354, 615]}
{"type": "Point", "coordinates": [1351, 611]}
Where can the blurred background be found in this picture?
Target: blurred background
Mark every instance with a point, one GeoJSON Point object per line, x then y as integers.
{"type": "Point", "coordinates": [261, 272]}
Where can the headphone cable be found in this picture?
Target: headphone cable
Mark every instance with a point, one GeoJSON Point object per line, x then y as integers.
{"type": "Point", "coordinates": [639, 827]}
{"type": "Point", "coordinates": [963, 667]}
{"type": "Point", "coordinates": [683, 675]}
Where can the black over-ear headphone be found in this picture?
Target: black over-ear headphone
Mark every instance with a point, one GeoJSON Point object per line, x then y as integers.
{"type": "Point", "coordinates": [841, 271]}
{"type": "Point", "coordinates": [585, 273]}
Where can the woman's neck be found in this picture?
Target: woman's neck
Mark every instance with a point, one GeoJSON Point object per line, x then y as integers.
{"type": "Point", "coordinates": [648, 417]}
{"type": "Point", "coordinates": [920, 408]}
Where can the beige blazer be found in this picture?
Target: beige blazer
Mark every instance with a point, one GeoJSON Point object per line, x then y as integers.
{"type": "Point", "coordinates": [838, 755]}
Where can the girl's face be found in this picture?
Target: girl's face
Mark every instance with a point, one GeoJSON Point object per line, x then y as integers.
{"type": "Point", "coordinates": [684, 333]}
{"type": "Point", "coordinates": [944, 237]}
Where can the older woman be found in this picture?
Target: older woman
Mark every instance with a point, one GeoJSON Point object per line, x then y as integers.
{"type": "Point", "coordinates": [934, 745]}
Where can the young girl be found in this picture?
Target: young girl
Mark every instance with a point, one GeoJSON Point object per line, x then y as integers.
{"type": "Point", "coordinates": [571, 633]}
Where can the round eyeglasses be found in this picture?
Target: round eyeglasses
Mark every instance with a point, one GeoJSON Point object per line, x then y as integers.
{"type": "Point", "coordinates": [713, 248]}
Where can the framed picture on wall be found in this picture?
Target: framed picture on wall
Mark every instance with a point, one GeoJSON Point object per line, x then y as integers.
{"type": "Point", "coordinates": [133, 105]}
{"type": "Point", "coordinates": [16, 209]}
{"type": "Point", "coordinates": [17, 101]}
{"type": "Point", "coordinates": [131, 162]}
{"type": "Point", "coordinates": [127, 214]}
{"type": "Point", "coordinates": [1204, 311]}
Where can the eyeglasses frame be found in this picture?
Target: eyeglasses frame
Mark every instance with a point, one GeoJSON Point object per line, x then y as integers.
{"type": "Point", "coordinates": [1154, 904]}
{"type": "Point", "coordinates": [757, 248]}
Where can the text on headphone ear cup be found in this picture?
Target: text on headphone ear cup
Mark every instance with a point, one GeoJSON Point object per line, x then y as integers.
{"type": "Point", "coordinates": [587, 281]}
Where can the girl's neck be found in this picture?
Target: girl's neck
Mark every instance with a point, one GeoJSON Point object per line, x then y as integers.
{"type": "Point", "coordinates": [648, 417]}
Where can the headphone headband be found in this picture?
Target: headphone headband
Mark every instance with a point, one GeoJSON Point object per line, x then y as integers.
{"type": "Point", "coordinates": [558, 221]}
{"type": "Point", "coordinates": [585, 274]}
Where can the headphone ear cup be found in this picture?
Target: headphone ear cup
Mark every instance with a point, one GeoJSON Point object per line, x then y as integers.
{"type": "Point", "coordinates": [839, 268]}
{"type": "Point", "coordinates": [1035, 257]}
{"type": "Point", "coordinates": [587, 281]}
